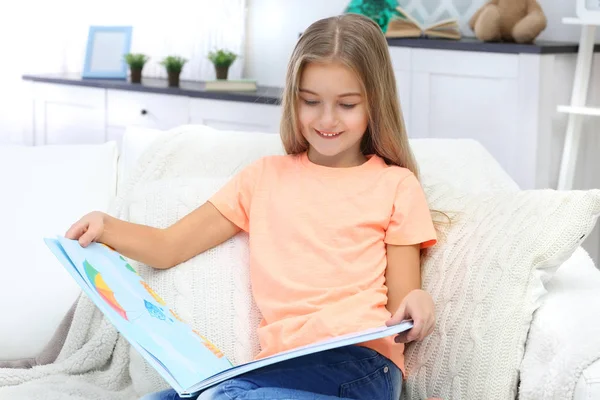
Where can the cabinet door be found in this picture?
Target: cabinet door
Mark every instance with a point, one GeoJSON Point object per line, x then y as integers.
{"type": "Point", "coordinates": [234, 115]}
{"type": "Point", "coordinates": [458, 94]}
{"type": "Point", "coordinates": [149, 110]}
{"type": "Point", "coordinates": [68, 114]}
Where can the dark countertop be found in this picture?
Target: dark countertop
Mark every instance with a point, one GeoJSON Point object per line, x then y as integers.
{"type": "Point", "coordinates": [272, 95]}
{"type": "Point", "coordinates": [474, 44]}
{"type": "Point", "coordinates": [264, 94]}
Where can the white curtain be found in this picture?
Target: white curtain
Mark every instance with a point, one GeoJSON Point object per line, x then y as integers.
{"type": "Point", "coordinates": [184, 28]}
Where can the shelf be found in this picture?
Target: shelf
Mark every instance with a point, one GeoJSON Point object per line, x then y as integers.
{"type": "Point", "coordinates": [593, 111]}
{"type": "Point", "coordinates": [578, 21]}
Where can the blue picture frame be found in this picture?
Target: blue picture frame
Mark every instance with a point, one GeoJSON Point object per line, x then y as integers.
{"type": "Point", "coordinates": [105, 51]}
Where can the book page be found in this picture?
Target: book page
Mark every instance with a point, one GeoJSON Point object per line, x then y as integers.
{"type": "Point", "coordinates": [407, 16]}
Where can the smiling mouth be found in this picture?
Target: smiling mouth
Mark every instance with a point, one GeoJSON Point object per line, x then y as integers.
{"type": "Point", "coordinates": [328, 135]}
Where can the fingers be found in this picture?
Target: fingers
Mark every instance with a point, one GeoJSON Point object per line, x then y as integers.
{"type": "Point", "coordinates": [76, 230]}
{"type": "Point", "coordinates": [87, 238]}
{"type": "Point", "coordinates": [398, 317]}
{"type": "Point", "coordinates": [420, 330]}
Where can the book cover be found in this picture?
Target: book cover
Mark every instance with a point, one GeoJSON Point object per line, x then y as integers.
{"type": "Point", "coordinates": [228, 85]}
{"type": "Point", "coordinates": [186, 359]}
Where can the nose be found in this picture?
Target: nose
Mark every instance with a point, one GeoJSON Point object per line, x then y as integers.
{"type": "Point", "coordinates": [329, 118]}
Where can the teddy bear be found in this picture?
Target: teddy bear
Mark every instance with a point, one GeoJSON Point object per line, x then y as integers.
{"type": "Point", "coordinates": [519, 21]}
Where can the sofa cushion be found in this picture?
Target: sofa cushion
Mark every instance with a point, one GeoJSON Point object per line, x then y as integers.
{"type": "Point", "coordinates": [482, 276]}
{"type": "Point", "coordinates": [45, 190]}
{"type": "Point", "coordinates": [135, 141]}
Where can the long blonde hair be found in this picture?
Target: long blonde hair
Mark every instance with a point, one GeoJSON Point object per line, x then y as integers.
{"type": "Point", "coordinates": [358, 43]}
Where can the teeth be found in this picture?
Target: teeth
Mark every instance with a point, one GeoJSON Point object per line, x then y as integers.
{"type": "Point", "coordinates": [328, 134]}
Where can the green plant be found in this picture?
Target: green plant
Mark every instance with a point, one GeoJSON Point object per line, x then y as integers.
{"type": "Point", "coordinates": [222, 58]}
{"type": "Point", "coordinates": [136, 60]}
{"type": "Point", "coordinates": [173, 63]}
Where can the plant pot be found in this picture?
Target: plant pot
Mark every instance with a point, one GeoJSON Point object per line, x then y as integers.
{"type": "Point", "coordinates": [173, 78]}
{"type": "Point", "coordinates": [136, 75]}
{"type": "Point", "coordinates": [221, 71]}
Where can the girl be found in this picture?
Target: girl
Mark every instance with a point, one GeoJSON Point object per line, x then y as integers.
{"type": "Point", "coordinates": [336, 226]}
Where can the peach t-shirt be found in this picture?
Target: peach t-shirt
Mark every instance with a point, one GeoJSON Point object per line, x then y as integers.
{"type": "Point", "coordinates": [318, 244]}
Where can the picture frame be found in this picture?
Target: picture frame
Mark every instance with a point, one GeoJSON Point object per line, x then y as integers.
{"type": "Point", "coordinates": [105, 51]}
{"type": "Point", "coordinates": [588, 10]}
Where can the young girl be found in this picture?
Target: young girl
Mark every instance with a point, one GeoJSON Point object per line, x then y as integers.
{"type": "Point", "coordinates": [336, 226]}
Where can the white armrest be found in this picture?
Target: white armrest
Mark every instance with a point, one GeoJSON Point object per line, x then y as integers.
{"type": "Point", "coordinates": [563, 339]}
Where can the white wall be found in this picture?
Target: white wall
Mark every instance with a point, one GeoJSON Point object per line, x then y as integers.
{"type": "Point", "coordinates": [273, 28]}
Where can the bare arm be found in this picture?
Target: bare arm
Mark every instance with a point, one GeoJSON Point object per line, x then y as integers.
{"type": "Point", "coordinates": [403, 273]}
{"type": "Point", "coordinates": [200, 230]}
{"type": "Point", "coordinates": [406, 299]}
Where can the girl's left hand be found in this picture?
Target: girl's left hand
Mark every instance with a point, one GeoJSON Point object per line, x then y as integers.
{"type": "Point", "coordinates": [418, 306]}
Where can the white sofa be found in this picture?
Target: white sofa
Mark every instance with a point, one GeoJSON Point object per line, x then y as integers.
{"type": "Point", "coordinates": [44, 189]}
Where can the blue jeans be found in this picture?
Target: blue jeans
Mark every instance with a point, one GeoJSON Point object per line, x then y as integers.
{"type": "Point", "coordinates": [352, 372]}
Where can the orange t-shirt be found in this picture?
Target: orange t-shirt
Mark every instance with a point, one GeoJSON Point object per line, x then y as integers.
{"type": "Point", "coordinates": [318, 244]}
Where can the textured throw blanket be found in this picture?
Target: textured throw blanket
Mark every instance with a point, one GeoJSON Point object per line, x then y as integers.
{"type": "Point", "coordinates": [90, 363]}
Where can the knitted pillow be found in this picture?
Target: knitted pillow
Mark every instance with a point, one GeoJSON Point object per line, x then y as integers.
{"type": "Point", "coordinates": [482, 276]}
{"type": "Point", "coordinates": [210, 291]}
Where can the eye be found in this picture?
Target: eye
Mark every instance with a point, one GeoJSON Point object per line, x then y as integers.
{"type": "Point", "coordinates": [348, 106]}
{"type": "Point", "coordinates": [310, 102]}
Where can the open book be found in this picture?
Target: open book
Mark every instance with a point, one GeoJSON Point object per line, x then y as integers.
{"type": "Point", "coordinates": [188, 361]}
{"type": "Point", "coordinates": [405, 26]}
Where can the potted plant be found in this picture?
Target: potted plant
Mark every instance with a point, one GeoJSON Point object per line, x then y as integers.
{"type": "Point", "coordinates": [173, 65]}
{"type": "Point", "coordinates": [222, 60]}
{"type": "Point", "coordinates": [136, 63]}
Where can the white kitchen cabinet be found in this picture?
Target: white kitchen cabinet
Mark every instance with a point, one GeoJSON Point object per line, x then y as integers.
{"type": "Point", "coordinates": [506, 101]}
{"type": "Point", "coordinates": [148, 110]}
{"type": "Point", "coordinates": [221, 114]}
{"type": "Point", "coordinates": [67, 109]}
{"type": "Point", "coordinates": [69, 114]}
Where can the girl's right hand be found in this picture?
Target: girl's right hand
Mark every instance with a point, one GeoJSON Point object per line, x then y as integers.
{"type": "Point", "coordinates": [88, 229]}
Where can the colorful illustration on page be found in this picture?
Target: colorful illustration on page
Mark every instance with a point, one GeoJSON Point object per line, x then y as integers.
{"type": "Point", "coordinates": [152, 293]}
{"type": "Point", "coordinates": [154, 311]}
{"type": "Point", "coordinates": [209, 345]}
{"type": "Point", "coordinates": [177, 317]}
{"type": "Point", "coordinates": [103, 289]}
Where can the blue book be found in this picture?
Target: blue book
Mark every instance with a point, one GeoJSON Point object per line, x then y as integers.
{"type": "Point", "coordinates": [186, 359]}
